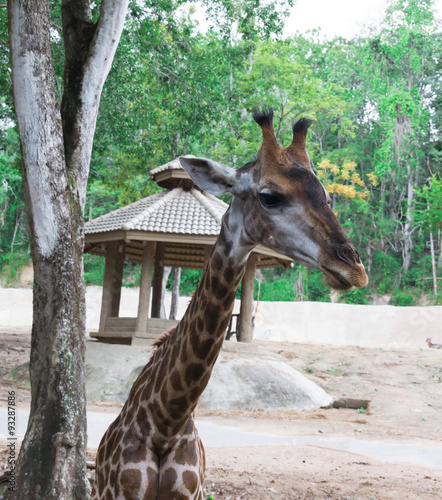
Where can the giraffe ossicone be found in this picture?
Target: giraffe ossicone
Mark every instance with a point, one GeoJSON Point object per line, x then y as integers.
{"type": "Point", "coordinates": [152, 451]}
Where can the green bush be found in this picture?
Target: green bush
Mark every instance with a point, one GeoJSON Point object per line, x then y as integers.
{"type": "Point", "coordinates": [93, 269]}
{"type": "Point", "coordinates": [384, 272]}
{"type": "Point", "coordinates": [315, 287]}
{"type": "Point", "coordinates": [403, 298]}
{"type": "Point", "coordinates": [190, 279]}
{"type": "Point", "coordinates": [279, 285]}
{"type": "Point", "coordinates": [278, 290]}
{"type": "Point", "coordinates": [355, 296]}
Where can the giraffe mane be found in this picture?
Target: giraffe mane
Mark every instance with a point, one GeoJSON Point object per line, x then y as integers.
{"type": "Point", "coordinates": [163, 338]}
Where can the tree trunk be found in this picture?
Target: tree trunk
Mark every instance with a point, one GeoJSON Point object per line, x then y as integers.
{"type": "Point", "coordinates": [166, 273]}
{"type": "Point", "coordinates": [439, 262]}
{"type": "Point", "coordinates": [56, 148]}
{"type": "Point", "coordinates": [299, 288]}
{"type": "Point", "coordinates": [175, 293]}
{"type": "Point", "coordinates": [17, 223]}
{"type": "Point", "coordinates": [433, 265]}
{"type": "Point", "coordinates": [408, 244]}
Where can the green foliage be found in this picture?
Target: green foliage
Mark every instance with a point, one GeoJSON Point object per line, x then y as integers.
{"type": "Point", "coordinates": [172, 90]}
{"type": "Point", "coordinates": [6, 104]}
{"type": "Point", "coordinates": [428, 206]}
{"type": "Point", "coordinates": [13, 228]}
{"type": "Point", "coordinates": [93, 269]}
{"type": "Point", "coordinates": [277, 290]}
{"type": "Point", "coordinates": [316, 288]}
{"type": "Point", "coordinates": [355, 296]}
{"type": "Point", "coordinates": [278, 285]}
{"type": "Point", "coordinates": [190, 279]}
{"type": "Point", "coordinates": [403, 298]}
{"type": "Point", "coordinates": [384, 272]}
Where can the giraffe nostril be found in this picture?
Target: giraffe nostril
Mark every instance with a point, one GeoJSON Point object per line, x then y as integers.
{"type": "Point", "coordinates": [348, 254]}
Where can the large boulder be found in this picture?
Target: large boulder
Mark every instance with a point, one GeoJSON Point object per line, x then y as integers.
{"type": "Point", "coordinates": [244, 377]}
{"type": "Point", "coordinates": [112, 369]}
{"type": "Point", "coordinates": [254, 383]}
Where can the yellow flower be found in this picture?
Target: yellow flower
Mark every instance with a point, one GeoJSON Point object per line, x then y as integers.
{"type": "Point", "coordinates": [334, 169]}
{"type": "Point", "coordinates": [373, 178]}
{"type": "Point", "coordinates": [330, 188]}
{"type": "Point", "coordinates": [324, 165]}
{"type": "Point", "coordinates": [357, 180]}
{"type": "Point", "coordinates": [349, 165]}
{"type": "Point", "coordinates": [345, 174]}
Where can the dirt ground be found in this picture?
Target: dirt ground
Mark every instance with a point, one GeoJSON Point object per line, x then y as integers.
{"type": "Point", "coordinates": [404, 387]}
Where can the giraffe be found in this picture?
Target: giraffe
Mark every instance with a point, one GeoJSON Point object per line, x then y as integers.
{"type": "Point", "coordinates": [152, 450]}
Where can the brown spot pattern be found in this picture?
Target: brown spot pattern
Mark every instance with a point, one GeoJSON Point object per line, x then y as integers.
{"type": "Point", "coordinates": [167, 482]}
{"type": "Point", "coordinates": [130, 480]}
{"type": "Point", "coordinates": [193, 373]}
{"type": "Point", "coordinates": [134, 454]}
{"type": "Point", "coordinates": [152, 484]}
{"type": "Point", "coordinates": [190, 480]}
{"type": "Point", "coordinates": [176, 382]}
{"type": "Point", "coordinates": [201, 349]}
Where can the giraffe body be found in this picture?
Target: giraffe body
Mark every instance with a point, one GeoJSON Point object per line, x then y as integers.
{"type": "Point", "coordinates": [152, 451]}
{"type": "Point", "coordinates": [137, 472]}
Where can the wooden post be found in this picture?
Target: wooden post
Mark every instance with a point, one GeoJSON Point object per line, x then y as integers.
{"type": "Point", "coordinates": [112, 281]}
{"type": "Point", "coordinates": [175, 292]}
{"type": "Point", "coordinates": [245, 326]}
{"type": "Point", "coordinates": [157, 281]}
{"type": "Point", "coordinates": [145, 286]}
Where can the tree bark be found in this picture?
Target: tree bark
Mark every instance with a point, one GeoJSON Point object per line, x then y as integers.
{"type": "Point", "coordinates": [166, 273]}
{"type": "Point", "coordinates": [433, 265]}
{"type": "Point", "coordinates": [439, 262]}
{"type": "Point", "coordinates": [408, 243]}
{"type": "Point", "coordinates": [56, 147]}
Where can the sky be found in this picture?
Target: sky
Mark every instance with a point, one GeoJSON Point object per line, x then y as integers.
{"type": "Point", "coordinates": [338, 17]}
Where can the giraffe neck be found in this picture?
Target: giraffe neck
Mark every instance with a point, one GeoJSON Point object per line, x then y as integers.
{"type": "Point", "coordinates": [183, 365]}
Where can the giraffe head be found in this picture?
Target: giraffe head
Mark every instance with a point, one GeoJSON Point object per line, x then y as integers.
{"type": "Point", "coordinates": [283, 205]}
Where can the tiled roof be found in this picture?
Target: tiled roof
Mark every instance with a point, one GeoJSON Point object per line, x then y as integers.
{"type": "Point", "coordinates": [171, 165]}
{"type": "Point", "coordinates": [176, 211]}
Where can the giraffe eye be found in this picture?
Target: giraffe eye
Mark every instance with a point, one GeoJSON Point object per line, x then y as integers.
{"type": "Point", "coordinates": [270, 200]}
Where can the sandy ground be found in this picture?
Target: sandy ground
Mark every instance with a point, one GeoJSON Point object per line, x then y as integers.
{"type": "Point", "coordinates": [404, 387]}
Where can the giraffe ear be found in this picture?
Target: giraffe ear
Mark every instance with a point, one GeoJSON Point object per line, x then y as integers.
{"type": "Point", "coordinates": [209, 175]}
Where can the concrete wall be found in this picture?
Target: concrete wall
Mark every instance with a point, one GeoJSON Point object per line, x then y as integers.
{"type": "Point", "coordinates": [305, 322]}
{"type": "Point", "coordinates": [344, 324]}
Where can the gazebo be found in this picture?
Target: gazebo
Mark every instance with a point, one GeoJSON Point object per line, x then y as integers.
{"type": "Point", "coordinates": [177, 228]}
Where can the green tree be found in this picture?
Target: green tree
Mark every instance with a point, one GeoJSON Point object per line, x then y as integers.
{"type": "Point", "coordinates": [404, 64]}
{"type": "Point", "coordinates": [428, 214]}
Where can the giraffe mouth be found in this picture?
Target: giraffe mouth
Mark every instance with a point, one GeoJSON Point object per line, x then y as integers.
{"type": "Point", "coordinates": [336, 280]}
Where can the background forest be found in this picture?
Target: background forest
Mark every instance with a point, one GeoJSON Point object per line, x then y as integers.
{"type": "Point", "coordinates": [178, 87]}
